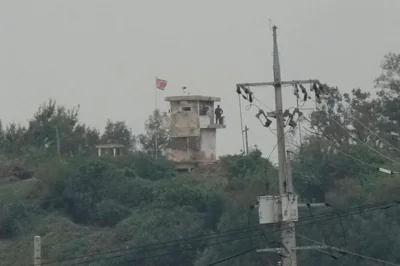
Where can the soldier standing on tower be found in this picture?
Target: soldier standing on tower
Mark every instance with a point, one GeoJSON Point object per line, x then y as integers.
{"type": "Point", "coordinates": [218, 114]}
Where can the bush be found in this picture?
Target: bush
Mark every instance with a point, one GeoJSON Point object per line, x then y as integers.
{"type": "Point", "coordinates": [15, 218]}
{"type": "Point", "coordinates": [109, 213]}
{"type": "Point", "coordinates": [241, 168]}
{"type": "Point", "coordinates": [130, 192]}
{"type": "Point", "coordinates": [176, 193]}
{"type": "Point", "coordinates": [147, 167]}
{"type": "Point", "coordinates": [148, 226]}
{"type": "Point", "coordinates": [87, 189]}
{"type": "Point", "coordinates": [75, 186]}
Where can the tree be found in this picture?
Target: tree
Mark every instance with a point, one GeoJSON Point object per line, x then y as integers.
{"type": "Point", "coordinates": [85, 138]}
{"type": "Point", "coordinates": [388, 84]}
{"type": "Point", "coordinates": [54, 125]}
{"type": "Point", "coordinates": [119, 133]}
{"type": "Point", "coordinates": [2, 137]}
{"type": "Point", "coordinates": [362, 112]}
{"type": "Point", "coordinates": [14, 139]}
{"type": "Point", "coordinates": [348, 123]}
{"type": "Point", "coordinates": [155, 127]}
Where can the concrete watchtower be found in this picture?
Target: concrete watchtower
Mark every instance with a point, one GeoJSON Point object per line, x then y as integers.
{"type": "Point", "coordinates": [193, 128]}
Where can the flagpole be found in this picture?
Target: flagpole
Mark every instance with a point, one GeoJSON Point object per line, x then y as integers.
{"type": "Point", "coordinates": [156, 137]}
{"type": "Point", "coordinates": [155, 94]}
{"type": "Point", "coordinates": [160, 85]}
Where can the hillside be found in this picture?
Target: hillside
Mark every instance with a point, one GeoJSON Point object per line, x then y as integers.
{"type": "Point", "coordinates": [90, 205]}
{"type": "Point", "coordinates": [86, 206]}
{"type": "Point", "coordinates": [136, 210]}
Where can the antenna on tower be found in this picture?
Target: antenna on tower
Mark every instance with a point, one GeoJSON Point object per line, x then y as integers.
{"type": "Point", "coordinates": [184, 90]}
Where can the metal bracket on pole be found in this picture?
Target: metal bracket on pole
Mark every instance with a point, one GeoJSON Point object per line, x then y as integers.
{"type": "Point", "coordinates": [275, 250]}
{"type": "Point", "coordinates": [311, 247]}
{"type": "Point", "coordinates": [292, 82]}
{"type": "Point", "coordinates": [271, 114]}
{"type": "Point", "coordinates": [284, 208]}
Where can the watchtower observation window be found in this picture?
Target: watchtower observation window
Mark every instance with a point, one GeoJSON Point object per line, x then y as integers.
{"type": "Point", "coordinates": [186, 109]}
{"type": "Point", "coordinates": [204, 109]}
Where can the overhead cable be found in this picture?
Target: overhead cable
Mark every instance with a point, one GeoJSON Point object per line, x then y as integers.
{"type": "Point", "coordinates": [371, 131]}
{"type": "Point", "coordinates": [343, 213]}
{"type": "Point", "coordinates": [374, 166]}
{"type": "Point", "coordinates": [358, 140]}
{"type": "Point", "coordinates": [351, 253]}
{"type": "Point", "coordinates": [231, 257]}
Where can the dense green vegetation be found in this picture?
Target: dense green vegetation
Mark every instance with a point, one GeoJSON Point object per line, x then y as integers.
{"type": "Point", "coordinates": [83, 205]}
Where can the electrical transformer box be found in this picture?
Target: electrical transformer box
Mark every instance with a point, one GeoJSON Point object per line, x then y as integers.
{"type": "Point", "coordinates": [275, 209]}
{"type": "Point", "coordinates": [269, 209]}
{"type": "Point", "coordinates": [289, 208]}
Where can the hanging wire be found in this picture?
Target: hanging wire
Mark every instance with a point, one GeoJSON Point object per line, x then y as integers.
{"type": "Point", "coordinates": [216, 235]}
{"type": "Point", "coordinates": [384, 262]}
{"type": "Point", "coordinates": [376, 135]}
{"type": "Point", "coordinates": [356, 139]}
{"type": "Point", "coordinates": [231, 257]}
{"type": "Point", "coordinates": [374, 166]}
{"type": "Point", "coordinates": [260, 102]}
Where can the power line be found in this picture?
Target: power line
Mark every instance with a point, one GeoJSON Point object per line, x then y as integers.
{"type": "Point", "coordinates": [232, 231]}
{"type": "Point", "coordinates": [231, 257]}
{"type": "Point", "coordinates": [351, 253]}
{"type": "Point", "coordinates": [166, 243]}
{"type": "Point", "coordinates": [247, 251]}
{"type": "Point", "coordinates": [285, 181]}
{"type": "Point", "coordinates": [363, 162]}
{"type": "Point", "coordinates": [131, 253]}
{"type": "Point", "coordinates": [277, 143]}
{"type": "Point", "coordinates": [348, 155]}
{"type": "Point", "coordinates": [263, 104]}
{"type": "Point", "coordinates": [200, 238]}
{"type": "Point", "coordinates": [367, 128]}
{"type": "Point", "coordinates": [279, 230]}
{"type": "Point", "coordinates": [226, 232]}
{"type": "Point", "coordinates": [346, 212]}
{"type": "Point", "coordinates": [154, 256]}
{"type": "Point", "coordinates": [336, 148]}
{"type": "Point", "coordinates": [376, 167]}
{"type": "Point", "coordinates": [358, 140]}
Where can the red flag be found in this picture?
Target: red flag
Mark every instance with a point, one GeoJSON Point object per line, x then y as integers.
{"type": "Point", "coordinates": [161, 84]}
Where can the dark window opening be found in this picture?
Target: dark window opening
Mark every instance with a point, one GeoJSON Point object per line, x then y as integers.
{"type": "Point", "coordinates": [186, 109]}
{"type": "Point", "coordinates": [204, 109]}
{"type": "Point", "coordinates": [178, 143]}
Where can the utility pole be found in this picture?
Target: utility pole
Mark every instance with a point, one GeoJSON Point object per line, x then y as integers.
{"type": "Point", "coordinates": [37, 257]}
{"type": "Point", "coordinates": [289, 257]}
{"type": "Point", "coordinates": [282, 209]}
{"type": "Point", "coordinates": [247, 140]}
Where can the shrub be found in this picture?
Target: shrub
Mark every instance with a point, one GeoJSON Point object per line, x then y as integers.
{"type": "Point", "coordinates": [109, 213]}
{"type": "Point", "coordinates": [177, 193]}
{"type": "Point", "coordinates": [15, 218]}
{"type": "Point", "coordinates": [88, 189]}
{"type": "Point", "coordinates": [147, 167]}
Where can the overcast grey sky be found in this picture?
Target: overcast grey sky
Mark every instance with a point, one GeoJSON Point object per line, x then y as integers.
{"type": "Point", "coordinates": [104, 55]}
